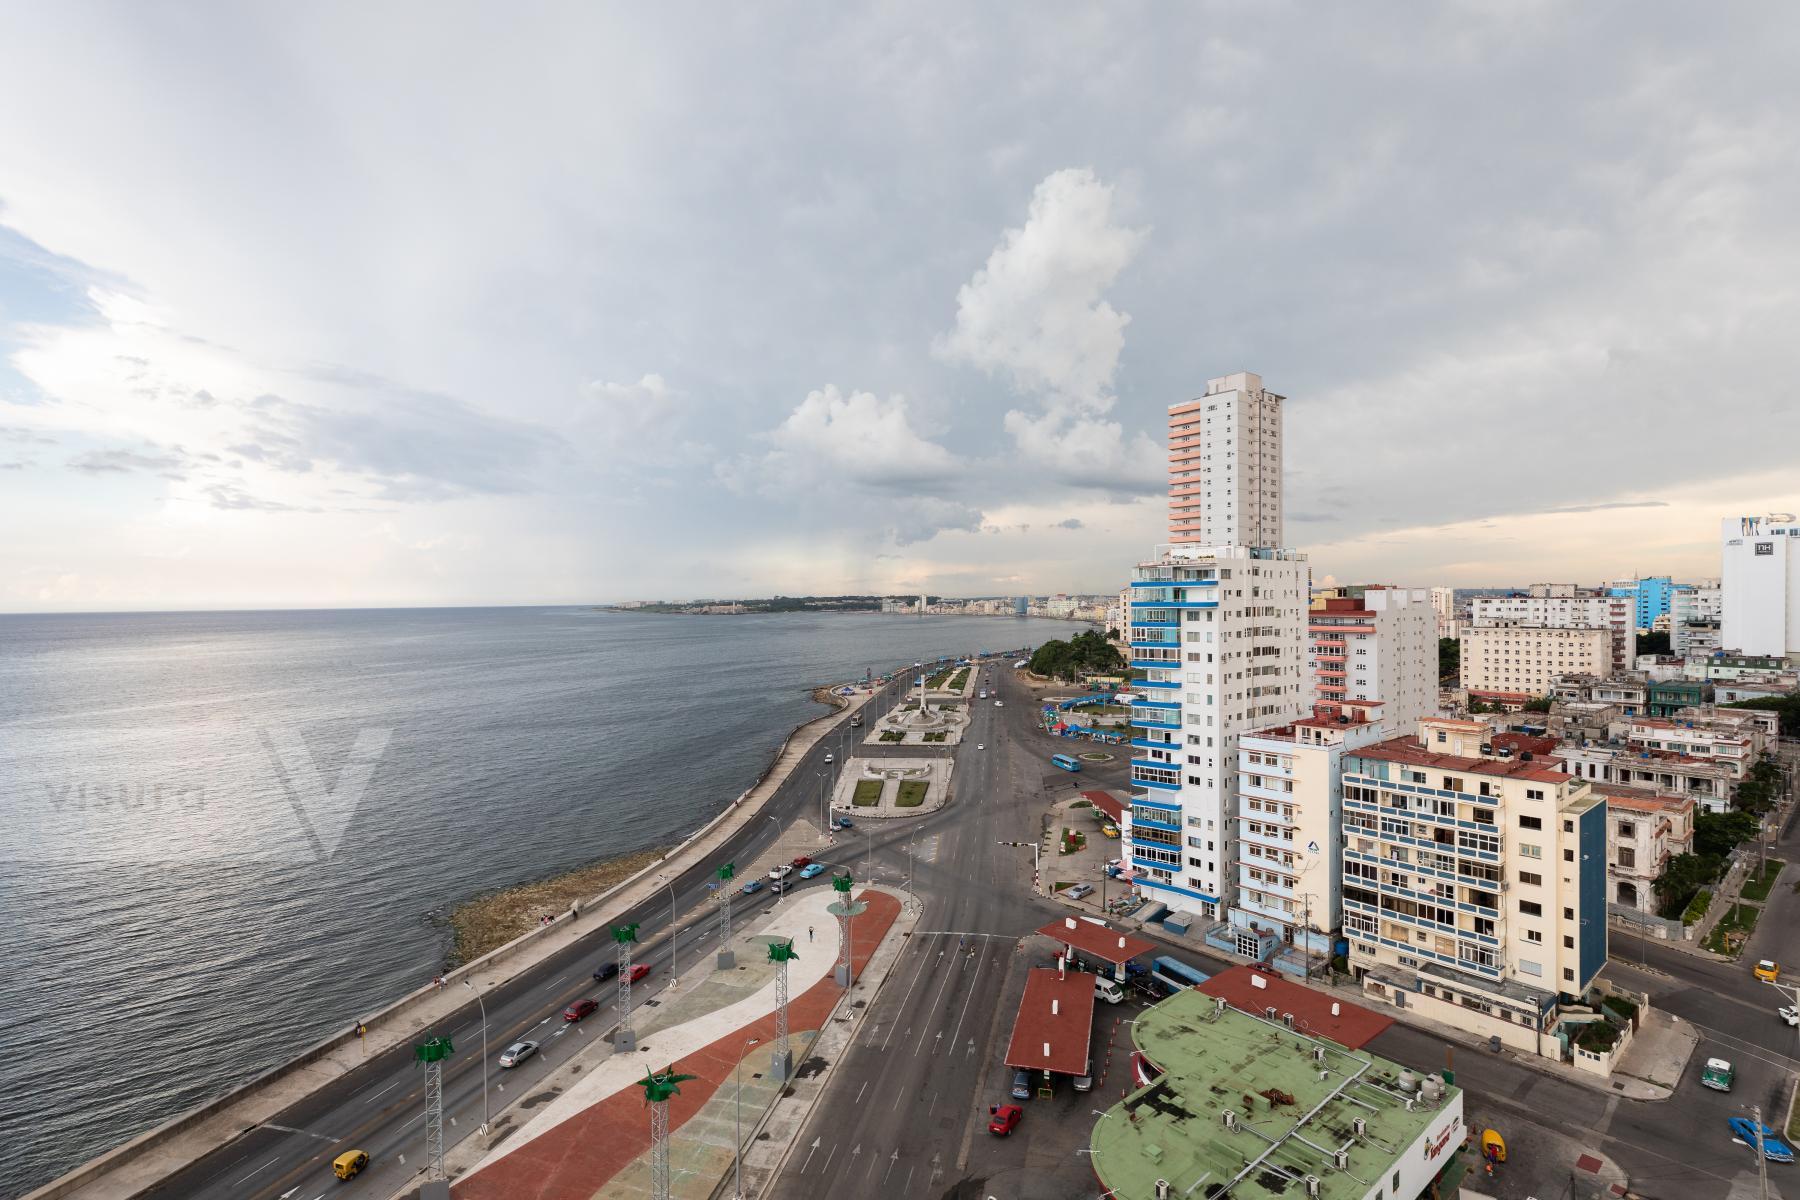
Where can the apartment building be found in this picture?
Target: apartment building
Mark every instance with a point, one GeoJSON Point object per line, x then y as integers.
{"type": "Point", "coordinates": [1373, 642]}
{"type": "Point", "coordinates": [1474, 884]}
{"type": "Point", "coordinates": [1708, 783]}
{"type": "Point", "coordinates": [1564, 608]}
{"type": "Point", "coordinates": [1644, 831]}
{"type": "Point", "coordinates": [1290, 821]}
{"type": "Point", "coordinates": [1760, 585]}
{"type": "Point", "coordinates": [1507, 662]}
{"type": "Point", "coordinates": [1694, 612]}
{"type": "Point", "coordinates": [1650, 598]}
{"type": "Point", "coordinates": [1225, 465]}
{"type": "Point", "coordinates": [1630, 694]}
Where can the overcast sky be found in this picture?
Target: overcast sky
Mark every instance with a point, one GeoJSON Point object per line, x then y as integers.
{"type": "Point", "coordinates": [371, 304]}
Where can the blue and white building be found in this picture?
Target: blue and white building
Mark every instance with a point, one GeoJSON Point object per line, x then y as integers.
{"type": "Point", "coordinates": [1650, 596]}
{"type": "Point", "coordinates": [1217, 632]}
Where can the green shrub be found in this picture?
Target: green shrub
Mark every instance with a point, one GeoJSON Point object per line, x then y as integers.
{"type": "Point", "coordinates": [912, 794]}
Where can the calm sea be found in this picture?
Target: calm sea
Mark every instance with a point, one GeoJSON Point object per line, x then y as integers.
{"type": "Point", "coordinates": [226, 835]}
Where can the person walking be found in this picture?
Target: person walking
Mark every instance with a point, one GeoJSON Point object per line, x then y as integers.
{"type": "Point", "coordinates": [809, 933]}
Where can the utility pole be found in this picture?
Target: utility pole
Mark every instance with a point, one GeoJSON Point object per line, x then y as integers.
{"type": "Point", "coordinates": [781, 1057]}
{"type": "Point", "coordinates": [433, 1054]}
{"type": "Point", "coordinates": [624, 1041]}
{"type": "Point", "coordinates": [845, 909]}
{"type": "Point", "coordinates": [657, 1090]}
{"type": "Point", "coordinates": [1762, 1166]}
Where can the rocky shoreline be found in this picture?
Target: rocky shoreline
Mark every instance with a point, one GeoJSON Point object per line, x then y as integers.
{"type": "Point", "coordinates": [490, 921]}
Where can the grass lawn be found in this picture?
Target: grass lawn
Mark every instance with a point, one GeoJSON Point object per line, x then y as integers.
{"type": "Point", "coordinates": [1739, 919]}
{"type": "Point", "coordinates": [868, 793]}
{"type": "Point", "coordinates": [957, 680]}
{"type": "Point", "coordinates": [1756, 887]}
{"type": "Point", "coordinates": [936, 737]}
{"type": "Point", "coordinates": [912, 794]}
{"type": "Point", "coordinates": [892, 735]}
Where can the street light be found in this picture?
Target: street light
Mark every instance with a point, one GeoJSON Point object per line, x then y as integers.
{"type": "Point", "coordinates": [778, 882]}
{"type": "Point", "coordinates": [1036, 885]}
{"type": "Point", "coordinates": [674, 956]}
{"type": "Point", "coordinates": [484, 1052]}
{"type": "Point", "coordinates": [737, 1121]}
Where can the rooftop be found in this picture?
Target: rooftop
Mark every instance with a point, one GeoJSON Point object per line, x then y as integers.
{"type": "Point", "coordinates": [1055, 1023]}
{"type": "Point", "coordinates": [1408, 751]}
{"type": "Point", "coordinates": [1096, 940]}
{"type": "Point", "coordinates": [1638, 800]}
{"type": "Point", "coordinates": [1286, 1121]}
{"type": "Point", "coordinates": [1250, 990]}
{"type": "Point", "coordinates": [1107, 803]}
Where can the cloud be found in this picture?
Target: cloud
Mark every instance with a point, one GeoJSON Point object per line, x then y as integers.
{"type": "Point", "coordinates": [855, 439]}
{"type": "Point", "coordinates": [122, 462]}
{"type": "Point", "coordinates": [1069, 523]}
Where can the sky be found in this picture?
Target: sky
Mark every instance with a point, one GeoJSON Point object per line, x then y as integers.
{"type": "Point", "coordinates": [343, 305]}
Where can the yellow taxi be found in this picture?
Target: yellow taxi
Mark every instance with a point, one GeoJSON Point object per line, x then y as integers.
{"type": "Point", "coordinates": [349, 1164]}
{"type": "Point", "coordinates": [1768, 970]}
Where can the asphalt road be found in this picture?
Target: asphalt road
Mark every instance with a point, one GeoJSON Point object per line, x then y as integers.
{"type": "Point", "coordinates": [379, 1107]}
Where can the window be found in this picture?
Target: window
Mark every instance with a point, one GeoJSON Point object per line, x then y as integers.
{"type": "Point", "coordinates": [1568, 943]}
{"type": "Point", "coordinates": [1534, 936]}
{"type": "Point", "coordinates": [1627, 829]}
{"type": "Point", "coordinates": [1531, 908]}
{"type": "Point", "coordinates": [1452, 784]}
{"type": "Point", "coordinates": [1532, 878]}
{"type": "Point", "coordinates": [1484, 816]}
{"type": "Point", "coordinates": [1627, 857]}
{"type": "Point", "coordinates": [1568, 856]}
{"type": "Point", "coordinates": [1568, 914]}
{"type": "Point", "coordinates": [1531, 823]}
{"type": "Point", "coordinates": [1527, 850]}
{"type": "Point", "coordinates": [1568, 975]}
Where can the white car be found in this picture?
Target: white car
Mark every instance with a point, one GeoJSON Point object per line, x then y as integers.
{"type": "Point", "coordinates": [828, 758]}
{"type": "Point", "coordinates": [1790, 1014]}
{"type": "Point", "coordinates": [517, 1053]}
{"type": "Point", "coordinates": [999, 704]}
{"type": "Point", "coordinates": [781, 872]}
{"type": "Point", "coordinates": [980, 747]}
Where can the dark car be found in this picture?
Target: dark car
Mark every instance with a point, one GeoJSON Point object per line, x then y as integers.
{"type": "Point", "coordinates": [1021, 1085]}
{"type": "Point", "coordinates": [607, 971]}
{"type": "Point", "coordinates": [639, 971]}
{"type": "Point", "coordinates": [802, 861]}
{"type": "Point", "coordinates": [580, 1009]}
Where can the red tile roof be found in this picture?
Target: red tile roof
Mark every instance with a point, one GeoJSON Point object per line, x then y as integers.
{"type": "Point", "coordinates": [1096, 940]}
{"type": "Point", "coordinates": [1106, 803]}
{"type": "Point", "coordinates": [1055, 1025]}
{"type": "Point", "coordinates": [1518, 742]}
{"type": "Point", "coordinates": [1352, 1025]}
{"type": "Point", "coordinates": [1408, 751]}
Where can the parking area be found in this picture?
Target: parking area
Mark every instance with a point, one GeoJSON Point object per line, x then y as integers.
{"type": "Point", "coordinates": [1077, 847]}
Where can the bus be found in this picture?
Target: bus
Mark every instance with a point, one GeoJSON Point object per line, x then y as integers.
{"type": "Point", "coordinates": [1066, 762]}
{"type": "Point", "coordinates": [1176, 975]}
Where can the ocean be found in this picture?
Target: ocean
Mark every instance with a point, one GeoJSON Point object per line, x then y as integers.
{"type": "Point", "coordinates": [227, 835]}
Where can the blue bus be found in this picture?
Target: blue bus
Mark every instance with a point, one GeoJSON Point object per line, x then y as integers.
{"type": "Point", "coordinates": [1176, 975]}
{"type": "Point", "coordinates": [1066, 762]}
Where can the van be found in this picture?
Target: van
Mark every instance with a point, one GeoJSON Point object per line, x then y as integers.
{"type": "Point", "coordinates": [348, 1164]}
{"type": "Point", "coordinates": [1108, 990]}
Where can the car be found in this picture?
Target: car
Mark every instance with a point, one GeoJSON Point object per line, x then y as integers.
{"type": "Point", "coordinates": [349, 1164]}
{"type": "Point", "coordinates": [606, 971]}
{"type": "Point", "coordinates": [752, 887]}
{"type": "Point", "coordinates": [828, 759]}
{"type": "Point", "coordinates": [980, 746]}
{"type": "Point", "coordinates": [781, 872]}
{"type": "Point", "coordinates": [1789, 1013]}
{"type": "Point", "coordinates": [580, 1009]}
{"type": "Point", "coordinates": [812, 869]}
{"type": "Point", "coordinates": [983, 696]}
{"type": "Point", "coordinates": [1773, 1148]}
{"type": "Point", "coordinates": [1004, 1118]}
{"type": "Point", "coordinates": [802, 861]}
{"type": "Point", "coordinates": [1078, 891]}
{"type": "Point", "coordinates": [517, 1053]}
{"type": "Point", "coordinates": [1021, 1085]}
{"type": "Point", "coordinates": [1768, 970]}
{"type": "Point", "coordinates": [999, 704]}
{"type": "Point", "coordinates": [1084, 1083]}
{"type": "Point", "coordinates": [639, 971]}
{"type": "Point", "coordinates": [1718, 1075]}
{"type": "Point", "coordinates": [845, 823]}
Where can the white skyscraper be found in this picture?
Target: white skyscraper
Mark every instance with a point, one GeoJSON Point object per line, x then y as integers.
{"type": "Point", "coordinates": [1218, 636]}
{"type": "Point", "coordinates": [1759, 585]}
{"type": "Point", "coordinates": [1225, 465]}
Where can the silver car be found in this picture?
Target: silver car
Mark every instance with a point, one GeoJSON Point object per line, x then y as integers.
{"type": "Point", "coordinates": [517, 1053]}
{"type": "Point", "coordinates": [1078, 891]}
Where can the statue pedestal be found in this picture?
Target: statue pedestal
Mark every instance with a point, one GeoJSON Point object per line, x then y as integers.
{"type": "Point", "coordinates": [781, 1066]}
{"type": "Point", "coordinates": [625, 1042]}
{"type": "Point", "coordinates": [726, 961]}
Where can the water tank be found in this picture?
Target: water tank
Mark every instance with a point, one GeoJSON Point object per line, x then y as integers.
{"type": "Point", "coordinates": [1408, 1083]}
{"type": "Point", "coordinates": [1359, 1127]}
{"type": "Point", "coordinates": [1162, 1189]}
{"type": "Point", "coordinates": [1318, 1054]}
{"type": "Point", "coordinates": [1228, 1118]}
{"type": "Point", "coordinates": [1341, 1160]}
{"type": "Point", "coordinates": [1312, 1185]}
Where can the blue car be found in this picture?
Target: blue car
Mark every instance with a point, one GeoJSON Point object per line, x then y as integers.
{"type": "Point", "coordinates": [753, 887]}
{"type": "Point", "coordinates": [811, 869]}
{"type": "Point", "coordinates": [844, 822]}
{"type": "Point", "coordinates": [1774, 1149]}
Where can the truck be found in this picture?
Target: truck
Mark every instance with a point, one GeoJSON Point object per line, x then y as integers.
{"type": "Point", "coordinates": [856, 720]}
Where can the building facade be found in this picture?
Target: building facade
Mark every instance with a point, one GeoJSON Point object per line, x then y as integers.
{"type": "Point", "coordinates": [1650, 598]}
{"type": "Point", "coordinates": [1644, 832]}
{"type": "Point", "coordinates": [1474, 884]}
{"type": "Point", "coordinates": [1379, 645]}
{"type": "Point", "coordinates": [1506, 660]}
{"type": "Point", "coordinates": [1759, 584]}
{"type": "Point", "coordinates": [1225, 465]}
{"type": "Point", "coordinates": [1707, 783]}
{"type": "Point", "coordinates": [1571, 611]}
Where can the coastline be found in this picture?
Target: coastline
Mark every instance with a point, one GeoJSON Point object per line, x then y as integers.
{"type": "Point", "coordinates": [487, 922]}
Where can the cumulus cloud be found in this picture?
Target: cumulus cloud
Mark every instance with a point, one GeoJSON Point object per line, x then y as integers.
{"type": "Point", "coordinates": [1037, 315]}
{"type": "Point", "coordinates": [1069, 523]}
{"type": "Point", "coordinates": [858, 438]}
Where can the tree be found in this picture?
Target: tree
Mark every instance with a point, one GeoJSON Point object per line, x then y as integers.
{"type": "Point", "coordinates": [1540, 705]}
{"type": "Point", "coordinates": [1718, 834]}
{"type": "Point", "coordinates": [1087, 653]}
{"type": "Point", "coordinates": [1653, 643]}
{"type": "Point", "coordinates": [1684, 875]}
{"type": "Point", "coordinates": [1449, 657]}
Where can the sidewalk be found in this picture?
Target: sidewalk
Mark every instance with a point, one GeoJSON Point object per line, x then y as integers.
{"type": "Point", "coordinates": [593, 1139]}
{"type": "Point", "coordinates": [152, 1156]}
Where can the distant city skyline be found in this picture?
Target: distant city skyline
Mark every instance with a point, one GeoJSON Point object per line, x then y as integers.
{"type": "Point", "coordinates": [585, 305]}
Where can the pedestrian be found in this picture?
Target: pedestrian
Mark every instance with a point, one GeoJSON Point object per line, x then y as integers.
{"type": "Point", "coordinates": [809, 933]}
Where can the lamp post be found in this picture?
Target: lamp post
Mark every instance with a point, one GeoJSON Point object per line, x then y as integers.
{"type": "Point", "coordinates": [1035, 851]}
{"type": "Point", "coordinates": [777, 843]}
{"type": "Point", "coordinates": [484, 1057]}
{"type": "Point", "coordinates": [674, 954]}
{"type": "Point", "coordinates": [737, 1121]}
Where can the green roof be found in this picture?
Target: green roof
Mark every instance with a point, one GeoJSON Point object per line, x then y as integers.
{"type": "Point", "coordinates": [1287, 1120]}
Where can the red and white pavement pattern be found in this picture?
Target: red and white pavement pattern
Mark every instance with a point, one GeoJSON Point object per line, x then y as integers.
{"type": "Point", "coordinates": [574, 1158]}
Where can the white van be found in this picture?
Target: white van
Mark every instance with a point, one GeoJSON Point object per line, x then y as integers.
{"type": "Point", "coordinates": [1108, 990]}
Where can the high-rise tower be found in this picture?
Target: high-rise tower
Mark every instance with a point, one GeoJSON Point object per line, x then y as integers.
{"type": "Point", "coordinates": [1225, 465]}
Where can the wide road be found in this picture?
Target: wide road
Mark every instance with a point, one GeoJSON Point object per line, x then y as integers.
{"type": "Point", "coordinates": [379, 1107]}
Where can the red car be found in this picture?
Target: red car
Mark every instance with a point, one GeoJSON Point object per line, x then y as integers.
{"type": "Point", "coordinates": [802, 861]}
{"type": "Point", "coordinates": [639, 970]}
{"type": "Point", "coordinates": [1004, 1118]}
{"type": "Point", "coordinates": [580, 1009]}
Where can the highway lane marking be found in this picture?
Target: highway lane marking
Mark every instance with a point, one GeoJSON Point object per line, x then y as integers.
{"type": "Point", "coordinates": [980, 963]}
{"type": "Point", "coordinates": [827, 1167]}
{"type": "Point", "coordinates": [861, 1090]}
{"type": "Point", "coordinates": [917, 975]}
{"type": "Point", "coordinates": [1742, 1047]}
{"type": "Point", "coordinates": [390, 1087]}
{"type": "Point", "coordinates": [556, 981]}
{"type": "Point", "coordinates": [260, 1169]}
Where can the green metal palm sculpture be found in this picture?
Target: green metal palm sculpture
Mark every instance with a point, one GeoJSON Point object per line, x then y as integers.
{"type": "Point", "coordinates": [783, 952]}
{"type": "Point", "coordinates": [624, 933]}
{"type": "Point", "coordinates": [727, 871]}
{"type": "Point", "coordinates": [659, 1087]}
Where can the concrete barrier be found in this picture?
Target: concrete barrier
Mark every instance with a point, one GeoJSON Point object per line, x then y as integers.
{"type": "Point", "coordinates": [95, 1169]}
